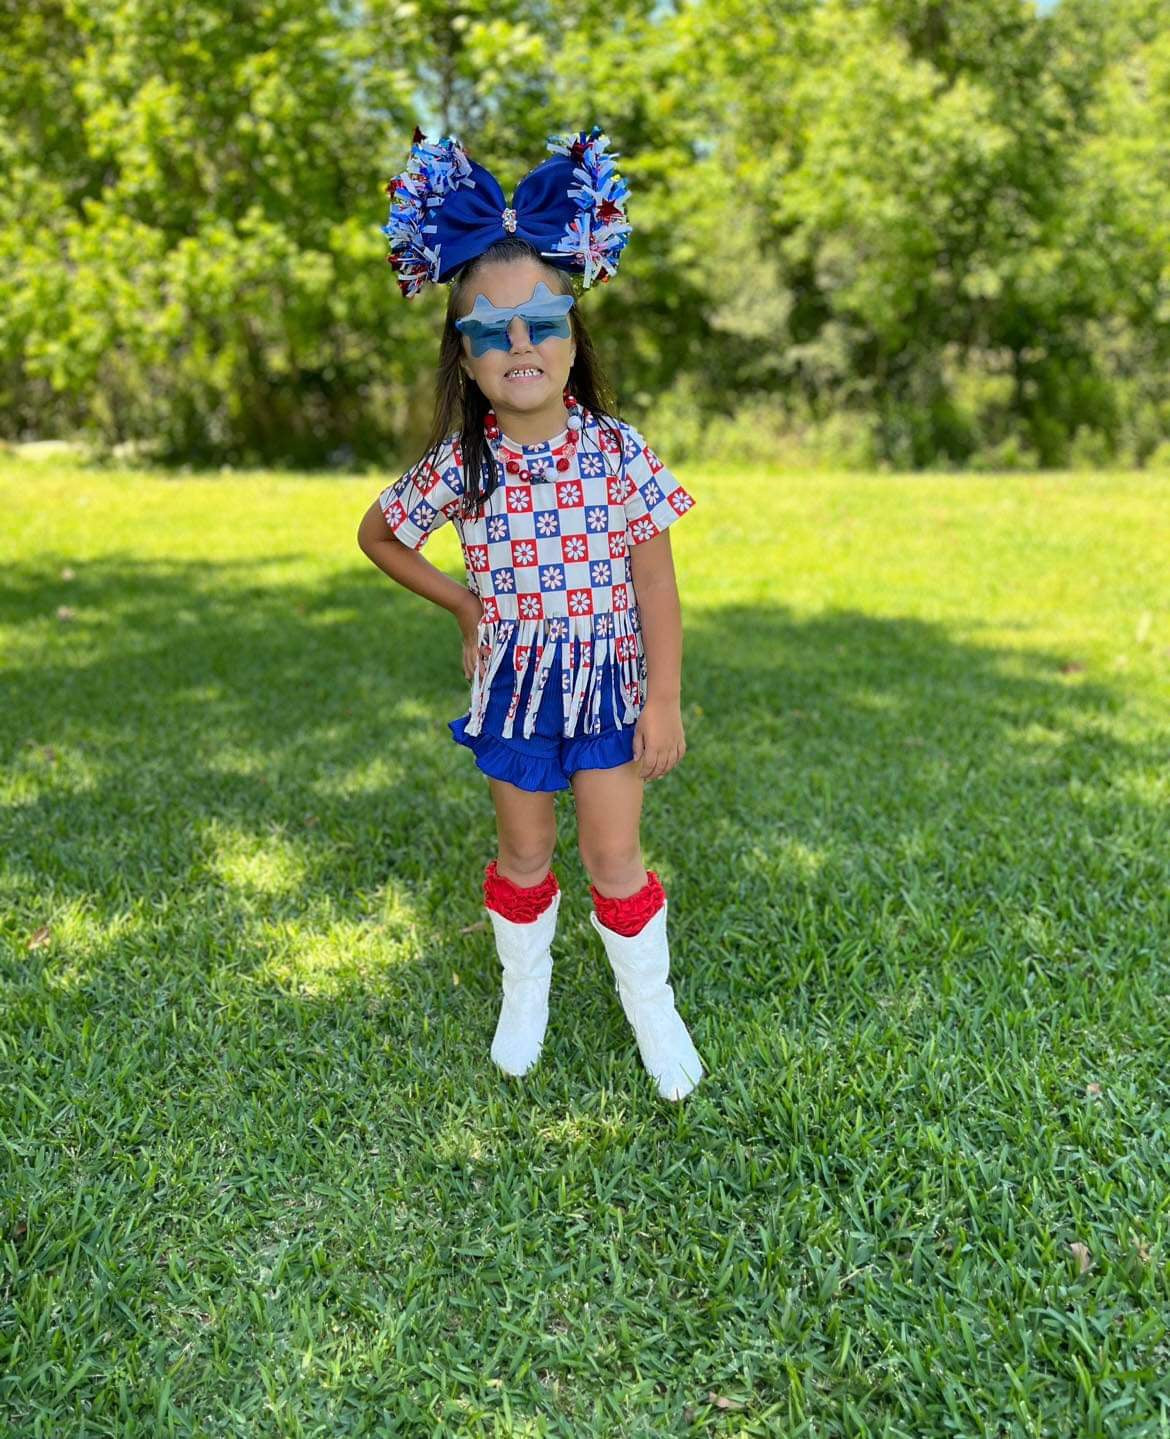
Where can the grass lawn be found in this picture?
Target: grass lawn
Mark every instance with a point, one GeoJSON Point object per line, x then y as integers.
{"type": "Point", "coordinates": [261, 1177]}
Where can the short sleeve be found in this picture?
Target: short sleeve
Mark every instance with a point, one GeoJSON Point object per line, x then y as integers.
{"type": "Point", "coordinates": [654, 499]}
{"type": "Point", "coordinates": [425, 498]}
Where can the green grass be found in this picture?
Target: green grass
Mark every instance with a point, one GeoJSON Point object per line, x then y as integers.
{"type": "Point", "coordinates": [261, 1176]}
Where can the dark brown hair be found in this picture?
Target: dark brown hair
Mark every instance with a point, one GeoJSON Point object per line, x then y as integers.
{"type": "Point", "coordinates": [461, 404]}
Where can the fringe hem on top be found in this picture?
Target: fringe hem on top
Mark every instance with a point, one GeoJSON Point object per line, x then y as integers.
{"type": "Point", "coordinates": [586, 643]}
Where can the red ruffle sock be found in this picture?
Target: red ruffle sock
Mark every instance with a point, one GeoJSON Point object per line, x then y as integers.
{"type": "Point", "coordinates": [519, 903]}
{"type": "Point", "coordinates": [629, 915]}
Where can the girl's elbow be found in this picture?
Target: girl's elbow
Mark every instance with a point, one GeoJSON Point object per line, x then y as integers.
{"type": "Point", "coordinates": [373, 531]}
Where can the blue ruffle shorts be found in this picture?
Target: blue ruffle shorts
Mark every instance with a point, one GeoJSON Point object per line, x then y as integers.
{"type": "Point", "coordinates": [546, 759]}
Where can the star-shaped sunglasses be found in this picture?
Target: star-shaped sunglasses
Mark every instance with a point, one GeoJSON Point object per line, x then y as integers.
{"type": "Point", "coordinates": [545, 314]}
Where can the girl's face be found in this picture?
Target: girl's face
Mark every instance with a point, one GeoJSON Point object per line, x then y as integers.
{"type": "Point", "coordinates": [528, 408]}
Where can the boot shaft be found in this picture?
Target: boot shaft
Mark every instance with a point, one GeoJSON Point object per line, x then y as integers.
{"type": "Point", "coordinates": [523, 949]}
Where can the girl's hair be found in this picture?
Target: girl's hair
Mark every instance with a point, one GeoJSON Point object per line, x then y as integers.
{"type": "Point", "coordinates": [461, 404]}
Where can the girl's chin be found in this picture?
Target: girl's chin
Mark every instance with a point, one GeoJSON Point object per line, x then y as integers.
{"type": "Point", "coordinates": [528, 397]}
{"type": "Point", "coordinates": [520, 388]}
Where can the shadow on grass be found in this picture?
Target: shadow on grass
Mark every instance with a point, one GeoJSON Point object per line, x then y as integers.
{"type": "Point", "coordinates": [843, 773]}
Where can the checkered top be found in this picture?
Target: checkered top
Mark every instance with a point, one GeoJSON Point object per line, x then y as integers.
{"type": "Point", "coordinates": [553, 546]}
{"type": "Point", "coordinates": [549, 558]}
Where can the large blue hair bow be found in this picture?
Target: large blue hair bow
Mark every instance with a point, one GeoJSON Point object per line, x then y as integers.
{"type": "Point", "coordinates": [445, 209]}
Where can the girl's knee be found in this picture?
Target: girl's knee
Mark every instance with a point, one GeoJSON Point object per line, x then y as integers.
{"type": "Point", "coordinates": [527, 854]}
{"type": "Point", "coordinates": [609, 863]}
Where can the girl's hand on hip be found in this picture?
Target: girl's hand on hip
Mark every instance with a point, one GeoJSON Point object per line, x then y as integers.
{"type": "Point", "coordinates": [659, 741]}
{"type": "Point", "coordinates": [474, 653]}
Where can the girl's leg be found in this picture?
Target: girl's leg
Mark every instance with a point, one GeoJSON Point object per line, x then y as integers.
{"type": "Point", "coordinates": [526, 825]}
{"type": "Point", "coordinates": [633, 930]}
{"type": "Point", "coordinates": [522, 899]}
{"type": "Point", "coordinates": [609, 818]}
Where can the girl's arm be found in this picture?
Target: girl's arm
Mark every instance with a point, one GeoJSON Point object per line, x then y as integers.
{"type": "Point", "coordinates": [656, 590]}
{"type": "Point", "coordinates": [415, 572]}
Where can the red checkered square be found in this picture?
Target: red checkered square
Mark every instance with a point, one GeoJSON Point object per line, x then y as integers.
{"type": "Point", "coordinates": [426, 478]}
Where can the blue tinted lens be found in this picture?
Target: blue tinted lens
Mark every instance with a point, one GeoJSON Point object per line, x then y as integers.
{"type": "Point", "coordinates": [546, 329]}
{"type": "Point", "coordinates": [486, 337]}
{"type": "Point", "coordinates": [544, 313]}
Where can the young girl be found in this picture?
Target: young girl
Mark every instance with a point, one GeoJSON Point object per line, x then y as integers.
{"type": "Point", "coordinates": [570, 615]}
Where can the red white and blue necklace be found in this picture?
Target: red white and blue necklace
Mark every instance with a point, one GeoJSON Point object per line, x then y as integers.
{"type": "Point", "coordinates": [528, 467]}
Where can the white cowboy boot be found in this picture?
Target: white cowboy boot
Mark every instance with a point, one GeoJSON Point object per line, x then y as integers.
{"type": "Point", "coordinates": [641, 963]}
{"type": "Point", "coordinates": [527, 973]}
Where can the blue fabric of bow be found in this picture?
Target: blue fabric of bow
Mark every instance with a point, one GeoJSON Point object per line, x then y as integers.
{"type": "Point", "coordinates": [445, 209]}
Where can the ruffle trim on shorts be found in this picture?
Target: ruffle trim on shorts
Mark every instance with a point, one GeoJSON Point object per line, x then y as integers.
{"type": "Point", "coordinates": [602, 751]}
{"type": "Point", "coordinates": [501, 760]}
{"type": "Point", "coordinates": [518, 765]}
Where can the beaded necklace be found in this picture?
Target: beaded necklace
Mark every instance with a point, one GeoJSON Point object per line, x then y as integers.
{"type": "Point", "coordinates": [515, 461]}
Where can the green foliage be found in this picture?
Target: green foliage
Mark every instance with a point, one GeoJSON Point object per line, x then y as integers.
{"type": "Point", "coordinates": [937, 233]}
